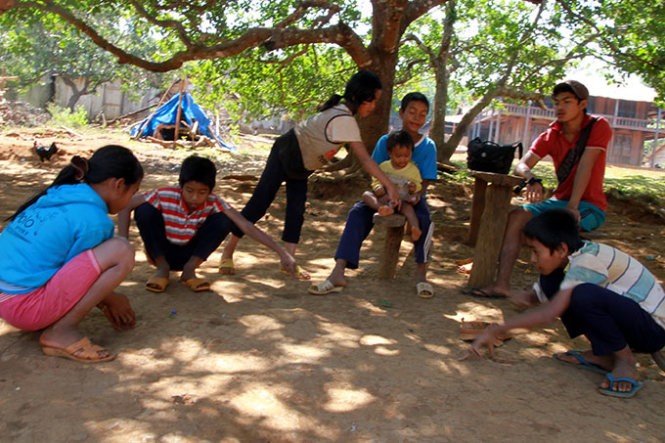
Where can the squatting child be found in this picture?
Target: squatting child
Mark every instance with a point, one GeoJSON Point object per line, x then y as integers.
{"type": "Point", "coordinates": [59, 258]}
{"type": "Point", "coordinates": [597, 291]}
{"type": "Point", "coordinates": [405, 175]}
{"type": "Point", "coordinates": [182, 225]}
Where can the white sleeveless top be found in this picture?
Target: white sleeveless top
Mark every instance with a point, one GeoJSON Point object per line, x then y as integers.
{"type": "Point", "coordinates": [322, 135]}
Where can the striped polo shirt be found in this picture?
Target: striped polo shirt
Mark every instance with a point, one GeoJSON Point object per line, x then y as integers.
{"type": "Point", "coordinates": [181, 225]}
{"type": "Point", "coordinates": [617, 271]}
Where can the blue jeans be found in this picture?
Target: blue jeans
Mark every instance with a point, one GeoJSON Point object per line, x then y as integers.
{"type": "Point", "coordinates": [359, 224]}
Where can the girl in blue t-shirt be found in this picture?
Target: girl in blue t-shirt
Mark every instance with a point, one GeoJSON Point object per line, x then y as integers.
{"type": "Point", "coordinates": [60, 259]}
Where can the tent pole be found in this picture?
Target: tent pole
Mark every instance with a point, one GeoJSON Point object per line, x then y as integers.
{"type": "Point", "coordinates": [147, 120]}
{"type": "Point", "coordinates": [178, 114]}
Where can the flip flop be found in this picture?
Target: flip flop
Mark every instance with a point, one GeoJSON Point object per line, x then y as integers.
{"type": "Point", "coordinates": [583, 363]}
{"type": "Point", "coordinates": [226, 267]}
{"type": "Point", "coordinates": [635, 386]}
{"type": "Point", "coordinates": [157, 284]}
{"type": "Point", "coordinates": [197, 284]}
{"type": "Point", "coordinates": [424, 290]}
{"type": "Point", "coordinates": [482, 293]}
{"type": "Point", "coordinates": [83, 351]}
{"type": "Point", "coordinates": [324, 288]}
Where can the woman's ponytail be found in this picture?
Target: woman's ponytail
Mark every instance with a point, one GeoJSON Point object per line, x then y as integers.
{"type": "Point", "coordinates": [111, 161]}
{"type": "Point", "coordinates": [332, 102]}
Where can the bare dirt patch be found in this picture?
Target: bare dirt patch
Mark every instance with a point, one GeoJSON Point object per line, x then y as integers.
{"type": "Point", "coordinates": [257, 359]}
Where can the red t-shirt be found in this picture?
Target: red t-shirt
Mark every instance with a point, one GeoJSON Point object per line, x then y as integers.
{"type": "Point", "coordinates": [181, 225]}
{"type": "Point", "coordinates": [553, 143]}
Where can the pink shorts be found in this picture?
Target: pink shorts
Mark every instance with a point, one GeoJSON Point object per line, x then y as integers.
{"type": "Point", "coordinates": [48, 304]}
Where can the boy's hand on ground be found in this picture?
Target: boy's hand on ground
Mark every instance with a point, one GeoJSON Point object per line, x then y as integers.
{"type": "Point", "coordinates": [487, 338]}
{"type": "Point", "coordinates": [118, 311]}
{"type": "Point", "coordinates": [289, 264]}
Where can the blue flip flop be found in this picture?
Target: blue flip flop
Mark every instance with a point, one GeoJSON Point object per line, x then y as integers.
{"type": "Point", "coordinates": [635, 386]}
{"type": "Point", "coordinates": [583, 362]}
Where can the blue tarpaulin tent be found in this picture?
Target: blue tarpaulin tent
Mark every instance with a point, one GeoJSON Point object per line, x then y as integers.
{"type": "Point", "coordinates": [167, 113]}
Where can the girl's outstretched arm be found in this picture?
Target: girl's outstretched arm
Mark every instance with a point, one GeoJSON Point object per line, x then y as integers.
{"type": "Point", "coordinates": [373, 169]}
{"type": "Point", "coordinates": [287, 260]}
{"type": "Point", "coordinates": [125, 215]}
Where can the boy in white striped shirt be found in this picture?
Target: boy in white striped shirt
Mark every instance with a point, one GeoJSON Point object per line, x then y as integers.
{"type": "Point", "coordinates": [597, 291]}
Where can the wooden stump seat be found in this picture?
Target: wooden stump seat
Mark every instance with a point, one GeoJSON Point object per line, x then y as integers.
{"type": "Point", "coordinates": [489, 214]}
{"type": "Point", "coordinates": [394, 232]}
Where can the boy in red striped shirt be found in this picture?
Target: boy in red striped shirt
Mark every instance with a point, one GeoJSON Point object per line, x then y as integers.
{"type": "Point", "coordinates": [182, 225]}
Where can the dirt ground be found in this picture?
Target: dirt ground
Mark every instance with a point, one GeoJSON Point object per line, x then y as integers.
{"type": "Point", "coordinates": [260, 360]}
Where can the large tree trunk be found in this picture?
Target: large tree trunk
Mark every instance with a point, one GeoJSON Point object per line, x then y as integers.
{"type": "Point", "coordinates": [442, 71]}
{"type": "Point", "coordinates": [438, 130]}
{"type": "Point", "coordinates": [375, 125]}
{"type": "Point", "coordinates": [76, 93]}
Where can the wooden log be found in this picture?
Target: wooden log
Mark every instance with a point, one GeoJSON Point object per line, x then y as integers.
{"type": "Point", "coordinates": [390, 254]}
{"type": "Point", "coordinates": [490, 235]}
{"type": "Point", "coordinates": [489, 214]}
{"type": "Point", "coordinates": [477, 207]}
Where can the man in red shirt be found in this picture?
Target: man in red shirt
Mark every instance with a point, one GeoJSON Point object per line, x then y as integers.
{"type": "Point", "coordinates": [580, 187]}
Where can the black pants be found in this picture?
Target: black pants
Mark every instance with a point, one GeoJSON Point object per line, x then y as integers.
{"type": "Point", "coordinates": [609, 320]}
{"type": "Point", "coordinates": [210, 235]}
{"type": "Point", "coordinates": [284, 164]}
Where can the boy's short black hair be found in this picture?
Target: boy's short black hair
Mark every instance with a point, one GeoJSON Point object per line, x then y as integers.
{"type": "Point", "coordinates": [554, 227]}
{"type": "Point", "coordinates": [399, 138]}
{"type": "Point", "coordinates": [198, 169]}
{"type": "Point", "coordinates": [413, 97]}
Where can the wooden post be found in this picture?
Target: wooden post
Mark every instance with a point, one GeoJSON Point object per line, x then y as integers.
{"type": "Point", "coordinates": [178, 114]}
{"type": "Point", "coordinates": [492, 214]}
{"type": "Point", "coordinates": [394, 232]}
{"type": "Point", "coordinates": [477, 207]}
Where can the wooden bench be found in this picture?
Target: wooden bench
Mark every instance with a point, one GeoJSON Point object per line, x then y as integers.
{"type": "Point", "coordinates": [394, 232]}
{"type": "Point", "coordinates": [489, 213]}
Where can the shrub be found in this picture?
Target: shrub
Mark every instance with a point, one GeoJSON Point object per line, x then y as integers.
{"type": "Point", "coordinates": [65, 117]}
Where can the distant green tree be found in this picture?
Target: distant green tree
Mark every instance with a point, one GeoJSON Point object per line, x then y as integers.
{"type": "Point", "coordinates": [482, 50]}
{"type": "Point", "coordinates": [204, 30]}
{"type": "Point", "coordinates": [631, 35]}
{"type": "Point", "coordinates": [36, 44]}
{"type": "Point", "coordinates": [290, 83]}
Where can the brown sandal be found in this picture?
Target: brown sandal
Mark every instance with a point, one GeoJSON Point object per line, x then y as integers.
{"type": "Point", "coordinates": [197, 284]}
{"type": "Point", "coordinates": [83, 351]}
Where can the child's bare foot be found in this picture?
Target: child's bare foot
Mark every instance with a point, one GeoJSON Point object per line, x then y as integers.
{"type": "Point", "coordinates": [415, 233]}
{"type": "Point", "coordinates": [385, 210]}
{"type": "Point", "coordinates": [587, 359]}
{"type": "Point", "coordinates": [622, 380]}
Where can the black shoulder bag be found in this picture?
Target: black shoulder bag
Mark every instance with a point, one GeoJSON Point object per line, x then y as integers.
{"type": "Point", "coordinates": [574, 154]}
{"type": "Point", "coordinates": [487, 156]}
